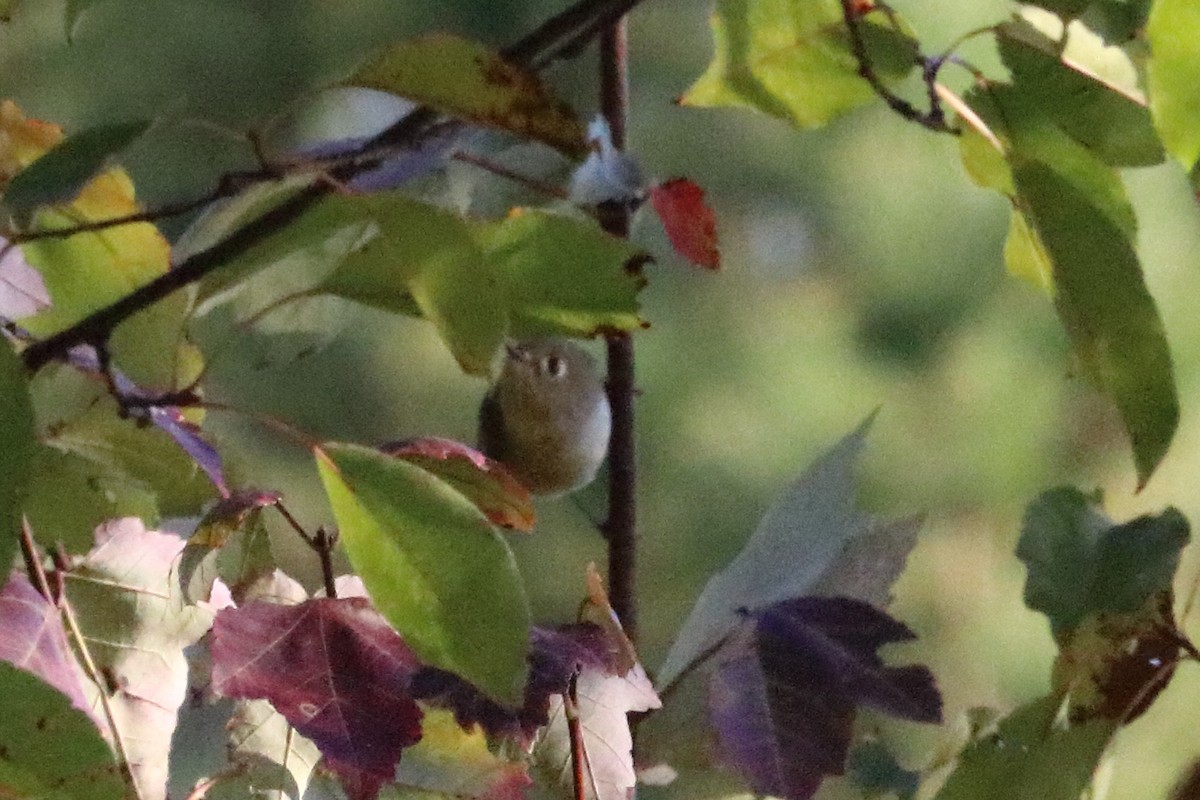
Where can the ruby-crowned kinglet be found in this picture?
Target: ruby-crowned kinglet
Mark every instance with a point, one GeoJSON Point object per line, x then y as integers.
{"type": "Point", "coordinates": [547, 417]}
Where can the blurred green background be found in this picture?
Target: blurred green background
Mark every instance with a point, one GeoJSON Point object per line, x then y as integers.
{"type": "Point", "coordinates": [862, 270]}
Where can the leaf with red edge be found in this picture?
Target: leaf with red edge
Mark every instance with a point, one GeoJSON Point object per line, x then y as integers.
{"type": "Point", "coordinates": [335, 670]}
{"type": "Point", "coordinates": [485, 482]}
{"type": "Point", "coordinates": [689, 222]}
{"type": "Point", "coordinates": [785, 690]}
{"type": "Point", "coordinates": [32, 637]}
{"type": "Point", "coordinates": [230, 543]}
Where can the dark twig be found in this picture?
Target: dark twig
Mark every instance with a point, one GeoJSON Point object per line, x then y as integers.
{"type": "Point", "coordinates": [321, 542]}
{"type": "Point", "coordinates": [935, 118]}
{"type": "Point", "coordinates": [620, 527]}
{"type": "Point", "coordinates": [542, 187]}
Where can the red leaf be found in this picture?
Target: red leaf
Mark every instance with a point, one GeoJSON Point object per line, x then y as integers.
{"type": "Point", "coordinates": [690, 224]}
{"type": "Point", "coordinates": [483, 481]}
{"type": "Point", "coordinates": [335, 670]}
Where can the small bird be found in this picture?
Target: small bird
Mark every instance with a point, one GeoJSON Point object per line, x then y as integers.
{"type": "Point", "coordinates": [547, 417]}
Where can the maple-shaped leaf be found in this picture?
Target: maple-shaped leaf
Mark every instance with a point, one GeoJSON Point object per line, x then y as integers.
{"type": "Point", "coordinates": [32, 638]}
{"type": "Point", "coordinates": [1081, 563]}
{"type": "Point", "coordinates": [136, 625]}
{"type": "Point", "coordinates": [603, 701]}
{"type": "Point", "coordinates": [689, 222]}
{"type": "Point", "coordinates": [336, 671]}
{"type": "Point", "coordinates": [784, 693]}
{"type": "Point", "coordinates": [484, 481]}
{"type": "Point", "coordinates": [555, 656]}
{"type": "Point", "coordinates": [231, 544]}
{"type": "Point", "coordinates": [813, 539]}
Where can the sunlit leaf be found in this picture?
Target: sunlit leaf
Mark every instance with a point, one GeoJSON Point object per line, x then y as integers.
{"type": "Point", "coordinates": [22, 291]}
{"type": "Point", "coordinates": [265, 753]}
{"type": "Point", "coordinates": [792, 59]}
{"type": "Point", "coordinates": [1025, 256]}
{"type": "Point", "coordinates": [1174, 76]}
{"type": "Point", "coordinates": [16, 449]}
{"type": "Point", "coordinates": [51, 749]}
{"type": "Point", "coordinates": [1109, 118]}
{"type": "Point", "coordinates": [60, 174]}
{"type": "Point", "coordinates": [136, 626]}
{"type": "Point", "coordinates": [605, 701]}
{"type": "Point", "coordinates": [469, 81]}
{"type": "Point", "coordinates": [435, 567]}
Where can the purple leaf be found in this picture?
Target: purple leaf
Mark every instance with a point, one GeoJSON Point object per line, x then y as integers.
{"type": "Point", "coordinates": [784, 693]}
{"type": "Point", "coordinates": [22, 290]}
{"type": "Point", "coordinates": [554, 657]}
{"type": "Point", "coordinates": [335, 670]}
{"type": "Point", "coordinates": [32, 638]}
{"type": "Point", "coordinates": [186, 434]}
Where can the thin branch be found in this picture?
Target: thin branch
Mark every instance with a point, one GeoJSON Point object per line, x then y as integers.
{"type": "Point", "coordinates": [575, 736]}
{"type": "Point", "coordinates": [548, 189]}
{"type": "Point", "coordinates": [93, 673]}
{"type": "Point", "coordinates": [321, 542]}
{"type": "Point", "coordinates": [620, 527]}
{"type": "Point", "coordinates": [538, 48]}
{"type": "Point", "coordinates": [935, 118]}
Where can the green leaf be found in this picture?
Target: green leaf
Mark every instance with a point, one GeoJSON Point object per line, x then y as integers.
{"type": "Point", "coordinates": [427, 256]}
{"type": "Point", "coordinates": [17, 445]}
{"type": "Point", "coordinates": [563, 276]}
{"type": "Point", "coordinates": [1081, 563]}
{"type": "Point", "coordinates": [792, 59]}
{"type": "Point", "coordinates": [1089, 89]}
{"type": "Point", "coordinates": [470, 81]}
{"type": "Point", "coordinates": [1032, 756]}
{"type": "Point", "coordinates": [1173, 77]}
{"type": "Point", "coordinates": [70, 495]}
{"type": "Point", "coordinates": [434, 566]}
{"type": "Point", "coordinates": [797, 541]}
{"type": "Point", "coordinates": [1025, 256]}
{"type": "Point", "coordinates": [51, 750]}
{"type": "Point", "coordinates": [1103, 302]}
{"type": "Point", "coordinates": [60, 174]}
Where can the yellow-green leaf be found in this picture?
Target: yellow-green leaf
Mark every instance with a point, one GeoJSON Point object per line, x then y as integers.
{"type": "Point", "coordinates": [467, 80]}
{"type": "Point", "coordinates": [792, 59]}
{"type": "Point", "coordinates": [1174, 76]}
{"type": "Point", "coordinates": [434, 566]}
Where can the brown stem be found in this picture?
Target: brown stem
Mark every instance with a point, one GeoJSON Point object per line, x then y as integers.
{"type": "Point", "coordinates": [542, 187]}
{"type": "Point", "coordinates": [620, 527]}
{"type": "Point", "coordinates": [323, 543]}
{"type": "Point", "coordinates": [575, 736]}
{"type": "Point", "coordinates": [33, 564]}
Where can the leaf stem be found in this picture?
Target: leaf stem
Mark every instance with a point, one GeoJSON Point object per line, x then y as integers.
{"type": "Point", "coordinates": [575, 735]}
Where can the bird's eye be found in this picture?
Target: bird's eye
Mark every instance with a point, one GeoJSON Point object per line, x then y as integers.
{"type": "Point", "coordinates": [554, 366]}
